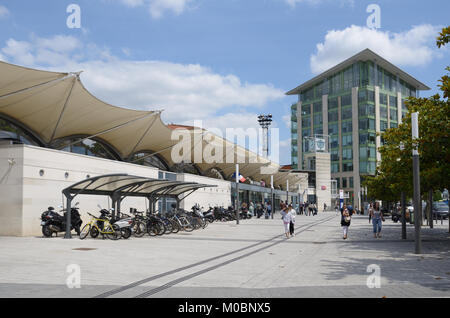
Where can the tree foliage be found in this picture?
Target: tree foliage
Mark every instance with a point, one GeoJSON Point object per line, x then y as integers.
{"type": "Point", "coordinates": [394, 173]}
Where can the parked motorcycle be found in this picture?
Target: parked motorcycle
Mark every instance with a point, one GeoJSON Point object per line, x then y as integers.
{"type": "Point", "coordinates": [209, 215]}
{"type": "Point", "coordinates": [53, 222]}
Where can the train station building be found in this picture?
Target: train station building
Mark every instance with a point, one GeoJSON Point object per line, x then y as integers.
{"type": "Point", "coordinates": [54, 133]}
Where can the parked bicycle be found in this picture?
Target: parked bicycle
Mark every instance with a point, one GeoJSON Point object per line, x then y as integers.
{"type": "Point", "coordinates": [101, 225]}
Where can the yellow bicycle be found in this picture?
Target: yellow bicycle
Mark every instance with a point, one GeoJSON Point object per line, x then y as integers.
{"type": "Point", "coordinates": [101, 226]}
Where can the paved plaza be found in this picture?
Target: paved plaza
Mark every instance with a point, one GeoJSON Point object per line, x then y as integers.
{"type": "Point", "coordinates": [225, 260]}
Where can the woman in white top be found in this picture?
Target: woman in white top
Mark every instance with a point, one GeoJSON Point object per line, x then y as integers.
{"type": "Point", "coordinates": [292, 223]}
{"type": "Point", "coordinates": [287, 217]}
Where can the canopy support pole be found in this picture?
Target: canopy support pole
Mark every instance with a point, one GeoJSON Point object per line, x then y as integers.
{"type": "Point", "coordinates": [68, 234]}
{"type": "Point", "coordinates": [38, 85]}
{"type": "Point", "coordinates": [63, 110]}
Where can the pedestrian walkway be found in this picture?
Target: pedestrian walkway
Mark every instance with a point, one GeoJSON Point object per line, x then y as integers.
{"type": "Point", "coordinates": [252, 259]}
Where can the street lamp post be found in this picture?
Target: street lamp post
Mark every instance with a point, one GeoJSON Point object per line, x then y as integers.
{"type": "Point", "coordinates": [416, 183]}
{"type": "Point", "coordinates": [265, 121]}
{"type": "Point", "coordinates": [271, 196]}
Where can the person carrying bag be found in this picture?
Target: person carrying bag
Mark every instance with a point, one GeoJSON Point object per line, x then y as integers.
{"type": "Point", "coordinates": [346, 219]}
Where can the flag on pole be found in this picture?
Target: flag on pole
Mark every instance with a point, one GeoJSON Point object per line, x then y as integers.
{"type": "Point", "coordinates": [241, 177]}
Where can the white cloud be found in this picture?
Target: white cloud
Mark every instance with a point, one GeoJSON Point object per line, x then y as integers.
{"type": "Point", "coordinates": [20, 51]}
{"type": "Point", "coordinates": [186, 92]}
{"type": "Point", "coordinates": [4, 12]}
{"type": "Point", "coordinates": [415, 47]}
{"type": "Point", "coordinates": [287, 120]}
{"type": "Point", "coordinates": [158, 8]}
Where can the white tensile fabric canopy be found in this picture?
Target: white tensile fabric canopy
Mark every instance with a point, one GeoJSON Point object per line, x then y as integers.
{"type": "Point", "coordinates": [55, 106]}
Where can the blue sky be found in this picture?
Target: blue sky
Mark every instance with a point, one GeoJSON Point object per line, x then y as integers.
{"type": "Point", "coordinates": [221, 61]}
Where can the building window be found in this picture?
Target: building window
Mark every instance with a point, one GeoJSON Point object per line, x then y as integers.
{"type": "Point", "coordinates": [333, 129]}
{"type": "Point", "coordinates": [318, 130]}
{"type": "Point", "coordinates": [9, 131]}
{"type": "Point", "coordinates": [335, 155]}
{"type": "Point", "coordinates": [346, 113]}
{"type": "Point", "coordinates": [346, 126]}
{"type": "Point", "coordinates": [347, 154]}
{"type": "Point", "coordinates": [346, 100]}
{"type": "Point", "coordinates": [294, 125]}
{"type": "Point", "coordinates": [87, 147]}
{"type": "Point", "coordinates": [332, 103]}
{"type": "Point", "coordinates": [334, 141]}
{"type": "Point", "coordinates": [318, 120]}
{"type": "Point", "coordinates": [306, 109]}
{"type": "Point", "coordinates": [393, 114]}
{"type": "Point", "coordinates": [344, 182]}
{"type": "Point", "coordinates": [392, 101]}
{"type": "Point", "coordinates": [351, 182]}
{"type": "Point", "coordinates": [306, 121]}
{"type": "Point", "coordinates": [149, 160]}
{"type": "Point", "coordinates": [366, 124]}
{"type": "Point", "coordinates": [334, 167]}
{"type": "Point", "coordinates": [333, 116]}
{"type": "Point", "coordinates": [367, 138]}
{"type": "Point", "coordinates": [383, 112]}
{"type": "Point", "coordinates": [366, 95]}
{"type": "Point", "coordinates": [347, 140]}
{"type": "Point", "coordinates": [317, 107]}
{"type": "Point", "coordinates": [383, 99]}
{"type": "Point", "coordinates": [347, 167]}
{"type": "Point", "coordinates": [366, 110]}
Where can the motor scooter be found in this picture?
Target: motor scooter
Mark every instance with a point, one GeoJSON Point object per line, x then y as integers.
{"type": "Point", "coordinates": [53, 222]}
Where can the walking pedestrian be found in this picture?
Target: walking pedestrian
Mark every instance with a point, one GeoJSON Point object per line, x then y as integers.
{"type": "Point", "coordinates": [346, 218]}
{"type": "Point", "coordinates": [292, 223]}
{"type": "Point", "coordinates": [251, 209]}
{"type": "Point", "coordinates": [269, 208]}
{"type": "Point", "coordinates": [377, 218]}
{"type": "Point", "coordinates": [286, 217]}
{"type": "Point", "coordinates": [370, 211]}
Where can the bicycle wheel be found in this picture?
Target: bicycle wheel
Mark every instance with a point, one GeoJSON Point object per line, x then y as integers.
{"type": "Point", "coordinates": [85, 231]}
{"type": "Point", "coordinates": [188, 227]}
{"type": "Point", "coordinates": [94, 232]}
{"type": "Point", "coordinates": [169, 228]}
{"type": "Point", "coordinates": [139, 229]}
{"type": "Point", "coordinates": [114, 232]}
{"type": "Point", "coordinates": [175, 227]}
{"type": "Point", "coordinates": [152, 229]}
{"type": "Point", "coordinates": [161, 228]}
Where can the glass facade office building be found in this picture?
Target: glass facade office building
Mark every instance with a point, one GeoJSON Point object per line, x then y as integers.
{"type": "Point", "coordinates": [351, 102]}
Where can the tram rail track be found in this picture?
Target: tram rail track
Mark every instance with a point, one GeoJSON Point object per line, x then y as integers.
{"type": "Point", "coordinates": [173, 282]}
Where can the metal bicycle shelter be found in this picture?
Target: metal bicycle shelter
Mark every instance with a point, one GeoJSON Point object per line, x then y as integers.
{"type": "Point", "coordinates": [121, 185]}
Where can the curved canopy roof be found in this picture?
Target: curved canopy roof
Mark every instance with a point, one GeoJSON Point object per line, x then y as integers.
{"type": "Point", "coordinates": [126, 185]}
{"type": "Point", "coordinates": [55, 106]}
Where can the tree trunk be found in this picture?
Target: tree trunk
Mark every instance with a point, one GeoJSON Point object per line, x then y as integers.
{"type": "Point", "coordinates": [430, 208]}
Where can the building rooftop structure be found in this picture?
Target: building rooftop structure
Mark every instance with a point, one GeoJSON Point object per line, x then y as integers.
{"type": "Point", "coordinates": [364, 55]}
{"type": "Point", "coordinates": [56, 111]}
